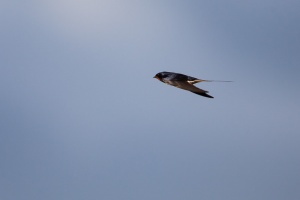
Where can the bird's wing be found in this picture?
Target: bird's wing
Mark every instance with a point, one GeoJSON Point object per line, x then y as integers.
{"type": "Point", "coordinates": [186, 86]}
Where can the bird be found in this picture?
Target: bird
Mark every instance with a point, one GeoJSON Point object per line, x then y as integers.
{"type": "Point", "coordinates": [184, 82]}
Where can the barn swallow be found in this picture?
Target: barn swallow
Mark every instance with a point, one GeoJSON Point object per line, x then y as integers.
{"type": "Point", "coordinates": [184, 82]}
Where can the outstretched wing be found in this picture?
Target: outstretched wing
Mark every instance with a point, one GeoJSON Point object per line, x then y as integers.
{"type": "Point", "coordinates": [187, 86]}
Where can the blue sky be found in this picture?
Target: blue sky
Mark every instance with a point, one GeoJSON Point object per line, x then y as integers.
{"type": "Point", "coordinates": [82, 118]}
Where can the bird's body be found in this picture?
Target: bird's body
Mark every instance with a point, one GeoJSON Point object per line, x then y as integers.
{"type": "Point", "coordinates": [183, 82]}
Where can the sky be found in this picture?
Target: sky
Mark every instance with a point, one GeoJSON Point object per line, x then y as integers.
{"type": "Point", "coordinates": [81, 116]}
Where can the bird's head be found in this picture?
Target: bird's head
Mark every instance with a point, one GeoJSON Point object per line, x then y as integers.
{"type": "Point", "coordinates": [158, 76]}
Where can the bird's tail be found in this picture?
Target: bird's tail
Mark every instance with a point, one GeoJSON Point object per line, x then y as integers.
{"type": "Point", "coordinates": [200, 80]}
{"type": "Point", "coordinates": [213, 81]}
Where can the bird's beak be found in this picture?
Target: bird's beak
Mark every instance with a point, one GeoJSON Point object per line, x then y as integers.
{"type": "Point", "coordinates": [155, 77]}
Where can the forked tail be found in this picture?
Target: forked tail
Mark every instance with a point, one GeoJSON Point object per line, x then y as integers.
{"type": "Point", "coordinates": [215, 81]}
{"type": "Point", "coordinates": [200, 80]}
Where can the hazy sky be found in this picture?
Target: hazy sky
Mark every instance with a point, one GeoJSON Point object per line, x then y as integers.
{"type": "Point", "coordinates": [82, 118]}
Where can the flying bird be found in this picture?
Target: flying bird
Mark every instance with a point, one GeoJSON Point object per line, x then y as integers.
{"type": "Point", "coordinates": [184, 82]}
